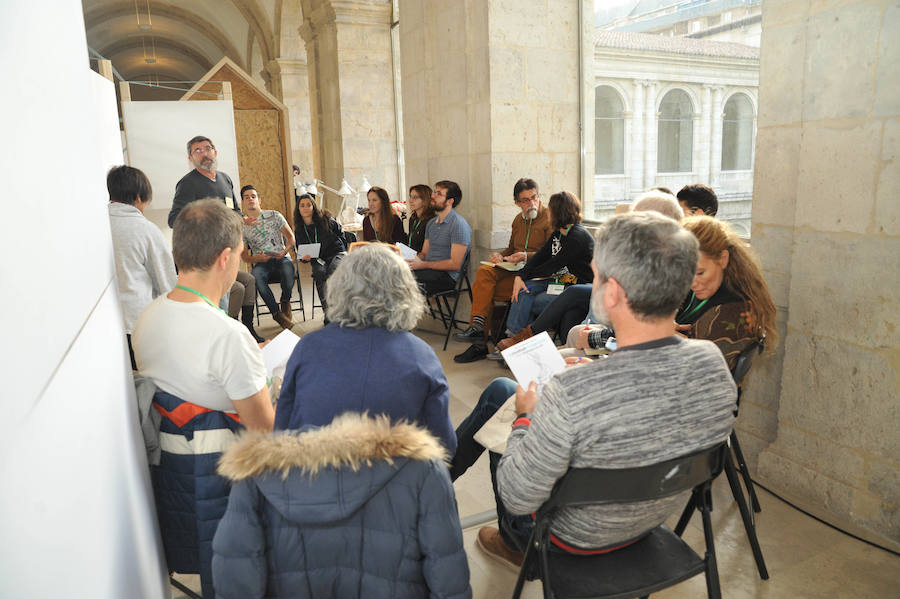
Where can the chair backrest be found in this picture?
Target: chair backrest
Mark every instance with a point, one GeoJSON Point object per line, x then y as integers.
{"type": "Point", "coordinates": [744, 361]}
{"type": "Point", "coordinates": [582, 486]}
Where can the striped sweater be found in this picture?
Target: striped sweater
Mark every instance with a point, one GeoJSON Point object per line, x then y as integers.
{"type": "Point", "coordinates": [644, 404]}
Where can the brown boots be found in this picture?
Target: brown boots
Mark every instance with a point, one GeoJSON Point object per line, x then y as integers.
{"type": "Point", "coordinates": [522, 335]}
{"type": "Point", "coordinates": [283, 318]}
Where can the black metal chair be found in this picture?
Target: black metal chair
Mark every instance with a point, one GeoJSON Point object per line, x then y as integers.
{"type": "Point", "coordinates": [741, 368]}
{"type": "Point", "coordinates": [448, 318]}
{"type": "Point", "coordinates": [262, 309]}
{"type": "Point", "coordinates": [659, 560]}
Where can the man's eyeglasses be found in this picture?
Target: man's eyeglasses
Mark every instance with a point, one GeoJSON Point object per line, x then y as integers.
{"type": "Point", "coordinates": [535, 198]}
{"type": "Point", "coordinates": [203, 150]}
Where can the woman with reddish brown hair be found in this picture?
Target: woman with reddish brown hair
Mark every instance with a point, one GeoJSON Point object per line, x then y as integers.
{"type": "Point", "coordinates": [420, 212]}
{"type": "Point", "coordinates": [729, 303]}
{"type": "Point", "coordinates": [381, 224]}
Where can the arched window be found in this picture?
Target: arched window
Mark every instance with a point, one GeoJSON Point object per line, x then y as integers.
{"type": "Point", "coordinates": [675, 133]}
{"type": "Point", "coordinates": [609, 132]}
{"type": "Point", "coordinates": [737, 133]}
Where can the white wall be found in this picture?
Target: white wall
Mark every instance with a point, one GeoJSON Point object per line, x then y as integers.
{"type": "Point", "coordinates": [156, 135]}
{"type": "Point", "coordinates": [76, 514]}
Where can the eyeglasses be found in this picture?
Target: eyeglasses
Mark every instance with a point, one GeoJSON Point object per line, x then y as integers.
{"type": "Point", "coordinates": [203, 150]}
{"type": "Point", "coordinates": [535, 198]}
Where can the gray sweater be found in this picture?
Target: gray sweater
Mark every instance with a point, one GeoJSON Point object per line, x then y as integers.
{"type": "Point", "coordinates": [643, 404]}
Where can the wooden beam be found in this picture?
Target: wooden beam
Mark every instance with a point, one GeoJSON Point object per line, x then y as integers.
{"type": "Point", "coordinates": [105, 68]}
{"type": "Point", "coordinates": [226, 90]}
{"type": "Point", "coordinates": [125, 91]}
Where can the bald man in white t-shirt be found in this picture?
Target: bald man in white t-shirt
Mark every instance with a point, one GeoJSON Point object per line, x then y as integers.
{"type": "Point", "coordinates": [185, 343]}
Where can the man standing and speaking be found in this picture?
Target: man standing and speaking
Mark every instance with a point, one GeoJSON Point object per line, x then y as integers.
{"type": "Point", "coordinates": [205, 181]}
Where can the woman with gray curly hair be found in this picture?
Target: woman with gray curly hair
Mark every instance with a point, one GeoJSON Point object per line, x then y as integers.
{"type": "Point", "coordinates": [366, 359]}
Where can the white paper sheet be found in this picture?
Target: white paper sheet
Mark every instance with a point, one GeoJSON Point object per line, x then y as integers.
{"type": "Point", "coordinates": [308, 248]}
{"type": "Point", "coordinates": [277, 351]}
{"type": "Point", "coordinates": [535, 359]}
{"type": "Point", "coordinates": [406, 252]}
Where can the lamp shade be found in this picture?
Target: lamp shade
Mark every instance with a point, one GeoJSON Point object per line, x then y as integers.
{"type": "Point", "coordinates": [345, 189]}
{"type": "Point", "coordinates": [365, 185]}
{"type": "Point", "coordinates": [312, 189]}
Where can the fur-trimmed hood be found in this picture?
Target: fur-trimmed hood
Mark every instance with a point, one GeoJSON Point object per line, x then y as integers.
{"type": "Point", "coordinates": [320, 474]}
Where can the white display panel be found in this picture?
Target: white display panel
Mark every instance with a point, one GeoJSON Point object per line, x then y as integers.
{"type": "Point", "coordinates": [76, 512]}
{"type": "Point", "coordinates": [156, 134]}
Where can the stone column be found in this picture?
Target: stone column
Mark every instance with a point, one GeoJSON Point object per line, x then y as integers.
{"type": "Point", "coordinates": [704, 151]}
{"type": "Point", "coordinates": [715, 146]}
{"type": "Point", "coordinates": [638, 139]}
{"type": "Point", "coordinates": [491, 94]}
{"type": "Point", "coordinates": [651, 129]}
{"type": "Point", "coordinates": [822, 413]}
{"type": "Point", "coordinates": [351, 90]}
{"type": "Point", "coordinates": [290, 84]}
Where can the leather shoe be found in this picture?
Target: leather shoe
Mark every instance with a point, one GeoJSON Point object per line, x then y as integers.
{"type": "Point", "coordinates": [470, 334]}
{"type": "Point", "coordinates": [475, 352]}
{"type": "Point", "coordinates": [492, 544]}
{"type": "Point", "coordinates": [522, 335]}
{"type": "Point", "coordinates": [282, 320]}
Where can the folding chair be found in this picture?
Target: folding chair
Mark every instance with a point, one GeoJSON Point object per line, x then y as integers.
{"type": "Point", "coordinates": [448, 318]}
{"type": "Point", "coordinates": [262, 309]}
{"type": "Point", "coordinates": [657, 561]}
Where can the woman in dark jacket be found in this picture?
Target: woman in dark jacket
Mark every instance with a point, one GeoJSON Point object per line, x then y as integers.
{"type": "Point", "coordinates": [381, 224]}
{"type": "Point", "coordinates": [420, 212]}
{"type": "Point", "coordinates": [565, 259]}
{"type": "Point", "coordinates": [359, 508]}
{"type": "Point", "coordinates": [311, 226]}
{"type": "Point", "coordinates": [729, 303]}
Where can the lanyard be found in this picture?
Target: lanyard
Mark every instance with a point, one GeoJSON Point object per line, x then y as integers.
{"type": "Point", "coordinates": [315, 230]}
{"type": "Point", "coordinates": [696, 308]}
{"type": "Point", "coordinates": [528, 234]}
{"type": "Point", "coordinates": [205, 299]}
{"type": "Point", "coordinates": [413, 229]}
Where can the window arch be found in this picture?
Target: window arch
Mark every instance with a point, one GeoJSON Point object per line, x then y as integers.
{"type": "Point", "coordinates": [675, 133]}
{"type": "Point", "coordinates": [737, 133]}
{"type": "Point", "coordinates": [609, 132]}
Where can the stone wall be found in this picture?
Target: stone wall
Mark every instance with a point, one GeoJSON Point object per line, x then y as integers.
{"type": "Point", "coordinates": [490, 94]}
{"type": "Point", "coordinates": [820, 419]}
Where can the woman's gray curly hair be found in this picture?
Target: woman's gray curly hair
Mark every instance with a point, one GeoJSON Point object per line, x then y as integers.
{"type": "Point", "coordinates": [374, 287]}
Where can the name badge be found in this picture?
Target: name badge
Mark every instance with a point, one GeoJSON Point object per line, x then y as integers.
{"type": "Point", "coordinates": [555, 288]}
{"type": "Point", "coordinates": [229, 202]}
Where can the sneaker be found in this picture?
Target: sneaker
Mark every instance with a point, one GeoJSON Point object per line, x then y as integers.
{"type": "Point", "coordinates": [495, 356]}
{"type": "Point", "coordinates": [475, 352]}
{"type": "Point", "coordinates": [493, 545]}
{"type": "Point", "coordinates": [470, 334]}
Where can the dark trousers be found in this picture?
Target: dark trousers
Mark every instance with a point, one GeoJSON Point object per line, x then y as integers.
{"type": "Point", "coordinates": [569, 309]}
{"type": "Point", "coordinates": [434, 281]}
{"type": "Point", "coordinates": [323, 269]}
{"type": "Point", "coordinates": [262, 271]}
{"type": "Point", "coordinates": [468, 451]}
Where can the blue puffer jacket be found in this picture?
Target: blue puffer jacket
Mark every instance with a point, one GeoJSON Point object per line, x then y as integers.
{"type": "Point", "coordinates": [190, 496]}
{"type": "Point", "coordinates": [358, 508]}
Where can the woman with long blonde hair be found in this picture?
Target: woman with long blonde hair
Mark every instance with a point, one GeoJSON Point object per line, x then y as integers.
{"type": "Point", "coordinates": [729, 303]}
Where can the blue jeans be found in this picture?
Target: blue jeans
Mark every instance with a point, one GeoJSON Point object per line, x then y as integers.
{"type": "Point", "coordinates": [528, 305]}
{"type": "Point", "coordinates": [263, 271]}
{"type": "Point", "coordinates": [468, 451]}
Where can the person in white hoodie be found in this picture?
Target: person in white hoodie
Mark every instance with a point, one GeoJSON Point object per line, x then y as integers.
{"type": "Point", "coordinates": [144, 265]}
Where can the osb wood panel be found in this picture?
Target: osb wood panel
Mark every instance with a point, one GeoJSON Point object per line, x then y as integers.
{"type": "Point", "coordinates": [243, 96]}
{"type": "Point", "coordinates": [261, 157]}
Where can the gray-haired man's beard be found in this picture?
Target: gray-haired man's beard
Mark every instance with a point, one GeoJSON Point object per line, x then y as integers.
{"type": "Point", "coordinates": [532, 213]}
{"type": "Point", "coordinates": [208, 163]}
{"type": "Point", "coordinates": [598, 312]}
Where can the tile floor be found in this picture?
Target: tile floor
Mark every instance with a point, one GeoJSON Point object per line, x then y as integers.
{"type": "Point", "coordinates": [805, 558]}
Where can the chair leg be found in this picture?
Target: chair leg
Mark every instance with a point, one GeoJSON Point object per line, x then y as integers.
{"type": "Point", "coordinates": [713, 590]}
{"type": "Point", "coordinates": [745, 472]}
{"type": "Point", "coordinates": [685, 516]}
{"type": "Point", "coordinates": [526, 563]}
{"type": "Point", "coordinates": [747, 517]}
{"type": "Point", "coordinates": [545, 570]}
{"type": "Point", "coordinates": [452, 321]}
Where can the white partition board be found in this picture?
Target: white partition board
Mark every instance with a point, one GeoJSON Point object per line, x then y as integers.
{"type": "Point", "coordinates": [157, 133]}
{"type": "Point", "coordinates": [76, 517]}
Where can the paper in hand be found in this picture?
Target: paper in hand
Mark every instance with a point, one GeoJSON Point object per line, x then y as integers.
{"type": "Point", "coordinates": [535, 359]}
{"type": "Point", "coordinates": [308, 248]}
{"type": "Point", "coordinates": [406, 252]}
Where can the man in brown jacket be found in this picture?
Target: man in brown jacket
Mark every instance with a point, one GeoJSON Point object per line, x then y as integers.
{"type": "Point", "coordinates": [530, 230]}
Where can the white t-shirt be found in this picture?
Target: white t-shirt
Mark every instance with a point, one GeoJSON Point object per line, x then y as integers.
{"type": "Point", "coordinates": [197, 353]}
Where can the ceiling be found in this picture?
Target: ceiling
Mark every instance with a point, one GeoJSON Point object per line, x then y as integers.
{"type": "Point", "coordinates": [180, 40]}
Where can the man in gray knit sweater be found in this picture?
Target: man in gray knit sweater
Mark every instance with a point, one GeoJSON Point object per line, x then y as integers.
{"type": "Point", "coordinates": [657, 397]}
